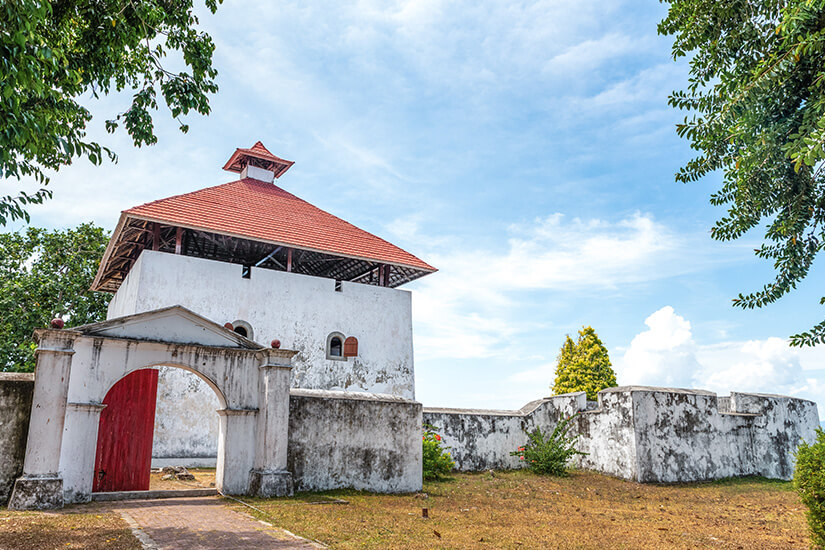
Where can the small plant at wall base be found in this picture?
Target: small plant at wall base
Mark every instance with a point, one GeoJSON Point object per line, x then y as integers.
{"type": "Point", "coordinates": [437, 460]}
{"type": "Point", "coordinates": [584, 365]}
{"type": "Point", "coordinates": [549, 455]}
{"type": "Point", "coordinates": [809, 480]}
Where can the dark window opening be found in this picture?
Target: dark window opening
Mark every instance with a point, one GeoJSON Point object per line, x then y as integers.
{"type": "Point", "coordinates": [338, 285]}
{"type": "Point", "coordinates": [335, 347]}
{"type": "Point", "coordinates": [242, 331]}
{"type": "Point", "coordinates": [247, 272]}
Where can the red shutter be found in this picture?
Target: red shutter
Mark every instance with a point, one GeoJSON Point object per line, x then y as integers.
{"type": "Point", "coordinates": [351, 347]}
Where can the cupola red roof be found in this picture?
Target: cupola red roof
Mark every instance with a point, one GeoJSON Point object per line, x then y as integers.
{"type": "Point", "coordinates": [259, 156]}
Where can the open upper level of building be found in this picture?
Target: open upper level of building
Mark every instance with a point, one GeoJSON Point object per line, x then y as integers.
{"type": "Point", "coordinates": [255, 223]}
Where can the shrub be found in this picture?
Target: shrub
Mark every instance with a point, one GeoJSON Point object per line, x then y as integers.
{"type": "Point", "coordinates": [809, 480]}
{"type": "Point", "coordinates": [549, 454]}
{"type": "Point", "coordinates": [437, 460]}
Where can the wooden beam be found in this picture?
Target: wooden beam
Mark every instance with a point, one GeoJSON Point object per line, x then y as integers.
{"type": "Point", "coordinates": [178, 239]}
{"type": "Point", "coordinates": [289, 260]}
{"type": "Point", "coordinates": [155, 236]}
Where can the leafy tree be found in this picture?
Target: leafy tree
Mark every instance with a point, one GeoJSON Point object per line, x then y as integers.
{"type": "Point", "coordinates": [809, 480]}
{"type": "Point", "coordinates": [54, 52]}
{"type": "Point", "coordinates": [584, 365]}
{"type": "Point", "coordinates": [756, 95]}
{"type": "Point", "coordinates": [43, 275]}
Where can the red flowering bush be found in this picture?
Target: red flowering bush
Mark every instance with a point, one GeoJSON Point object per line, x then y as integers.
{"type": "Point", "coordinates": [549, 454]}
{"type": "Point", "coordinates": [437, 460]}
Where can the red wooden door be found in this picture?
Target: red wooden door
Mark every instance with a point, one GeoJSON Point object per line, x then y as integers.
{"type": "Point", "coordinates": [124, 436]}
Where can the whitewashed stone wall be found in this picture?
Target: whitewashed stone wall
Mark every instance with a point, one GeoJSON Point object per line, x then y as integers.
{"type": "Point", "coordinates": [644, 434]}
{"type": "Point", "coordinates": [299, 310]}
{"type": "Point", "coordinates": [354, 440]}
{"type": "Point", "coordinates": [15, 408]}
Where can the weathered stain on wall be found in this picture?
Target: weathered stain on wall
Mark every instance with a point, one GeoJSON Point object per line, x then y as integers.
{"type": "Point", "coordinates": [483, 439]}
{"type": "Point", "coordinates": [354, 440]}
{"type": "Point", "coordinates": [15, 407]}
{"type": "Point", "coordinates": [644, 434]}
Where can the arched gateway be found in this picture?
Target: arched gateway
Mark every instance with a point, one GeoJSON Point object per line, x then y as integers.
{"type": "Point", "coordinates": [76, 369]}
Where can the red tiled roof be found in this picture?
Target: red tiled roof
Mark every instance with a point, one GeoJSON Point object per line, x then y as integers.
{"type": "Point", "coordinates": [264, 212]}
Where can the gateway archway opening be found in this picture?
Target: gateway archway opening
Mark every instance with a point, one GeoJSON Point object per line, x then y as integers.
{"type": "Point", "coordinates": [133, 447]}
{"type": "Point", "coordinates": [185, 441]}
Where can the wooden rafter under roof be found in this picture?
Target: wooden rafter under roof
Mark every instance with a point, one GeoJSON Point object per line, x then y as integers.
{"type": "Point", "coordinates": [133, 235]}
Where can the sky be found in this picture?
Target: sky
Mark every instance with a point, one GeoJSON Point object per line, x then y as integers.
{"type": "Point", "coordinates": [525, 149]}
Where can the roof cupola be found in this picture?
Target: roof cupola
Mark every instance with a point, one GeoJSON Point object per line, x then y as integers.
{"type": "Point", "coordinates": [257, 163]}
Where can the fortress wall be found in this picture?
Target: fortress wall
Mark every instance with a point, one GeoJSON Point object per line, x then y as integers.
{"type": "Point", "coordinates": [16, 391]}
{"type": "Point", "coordinates": [354, 440]}
{"type": "Point", "coordinates": [644, 434]}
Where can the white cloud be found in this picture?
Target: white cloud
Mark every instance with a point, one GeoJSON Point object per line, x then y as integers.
{"type": "Point", "coordinates": [663, 355]}
{"type": "Point", "coordinates": [593, 53]}
{"type": "Point", "coordinates": [471, 308]}
{"type": "Point", "coordinates": [539, 375]}
{"type": "Point", "coordinates": [666, 355]}
{"type": "Point", "coordinates": [651, 85]}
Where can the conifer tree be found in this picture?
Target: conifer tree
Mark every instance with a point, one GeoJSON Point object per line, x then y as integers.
{"type": "Point", "coordinates": [584, 365]}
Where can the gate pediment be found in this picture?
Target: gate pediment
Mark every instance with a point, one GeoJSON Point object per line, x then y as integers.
{"type": "Point", "coordinates": [174, 324]}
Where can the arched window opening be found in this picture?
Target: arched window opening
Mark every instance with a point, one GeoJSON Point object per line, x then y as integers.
{"type": "Point", "coordinates": [335, 347]}
{"type": "Point", "coordinates": [243, 328]}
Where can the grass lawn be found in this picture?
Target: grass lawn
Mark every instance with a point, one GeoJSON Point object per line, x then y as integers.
{"type": "Point", "coordinates": [521, 510]}
{"type": "Point", "coordinates": [97, 530]}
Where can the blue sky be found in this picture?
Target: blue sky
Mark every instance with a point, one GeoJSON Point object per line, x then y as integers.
{"type": "Point", "coordinates": [526, 150]}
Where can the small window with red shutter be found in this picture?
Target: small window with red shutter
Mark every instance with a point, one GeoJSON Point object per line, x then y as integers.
{"type": "Point", "coordinates": [351, 347]}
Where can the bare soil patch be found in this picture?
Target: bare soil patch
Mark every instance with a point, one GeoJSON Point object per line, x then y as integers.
{"type": "Point", "coordinates": [204, 479]}
{"type": "Point", "coordinates": [92, 530]}
{"type": "Point", "coordinates": [521, 510]}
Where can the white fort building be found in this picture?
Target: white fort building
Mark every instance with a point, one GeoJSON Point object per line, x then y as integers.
{"type": "Point", "coordinates": [274, 267]}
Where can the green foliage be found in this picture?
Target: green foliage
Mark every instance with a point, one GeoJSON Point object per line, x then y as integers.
{"type": "Point", "coordinates": [549, 454]}
{"type": "Point", "coordinates": [52, 53]}
{"type": "Point", "coordinates": [437, 460]}
{"type": "Point", "coordinates": [43, 275]}
{"type": "Point", "coordinates": [756, 97]}
{"type": "Point", "coordinates": [584, 365]}
{"type": "Point", "coordinates": [809, 480]}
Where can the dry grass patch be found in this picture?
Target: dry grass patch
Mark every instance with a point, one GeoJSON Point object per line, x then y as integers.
{"type": "Point", "coordinates": [65, 530]}
{"type": "Point", "coordinates": [522, 510]}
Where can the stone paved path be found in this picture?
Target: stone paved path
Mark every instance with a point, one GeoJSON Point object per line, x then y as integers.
{"type": "Point", "coordinates": [203, 523]}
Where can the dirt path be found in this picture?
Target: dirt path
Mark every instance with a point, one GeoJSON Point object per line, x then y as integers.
{"type": "Point", "coordinates": [200, 523]}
